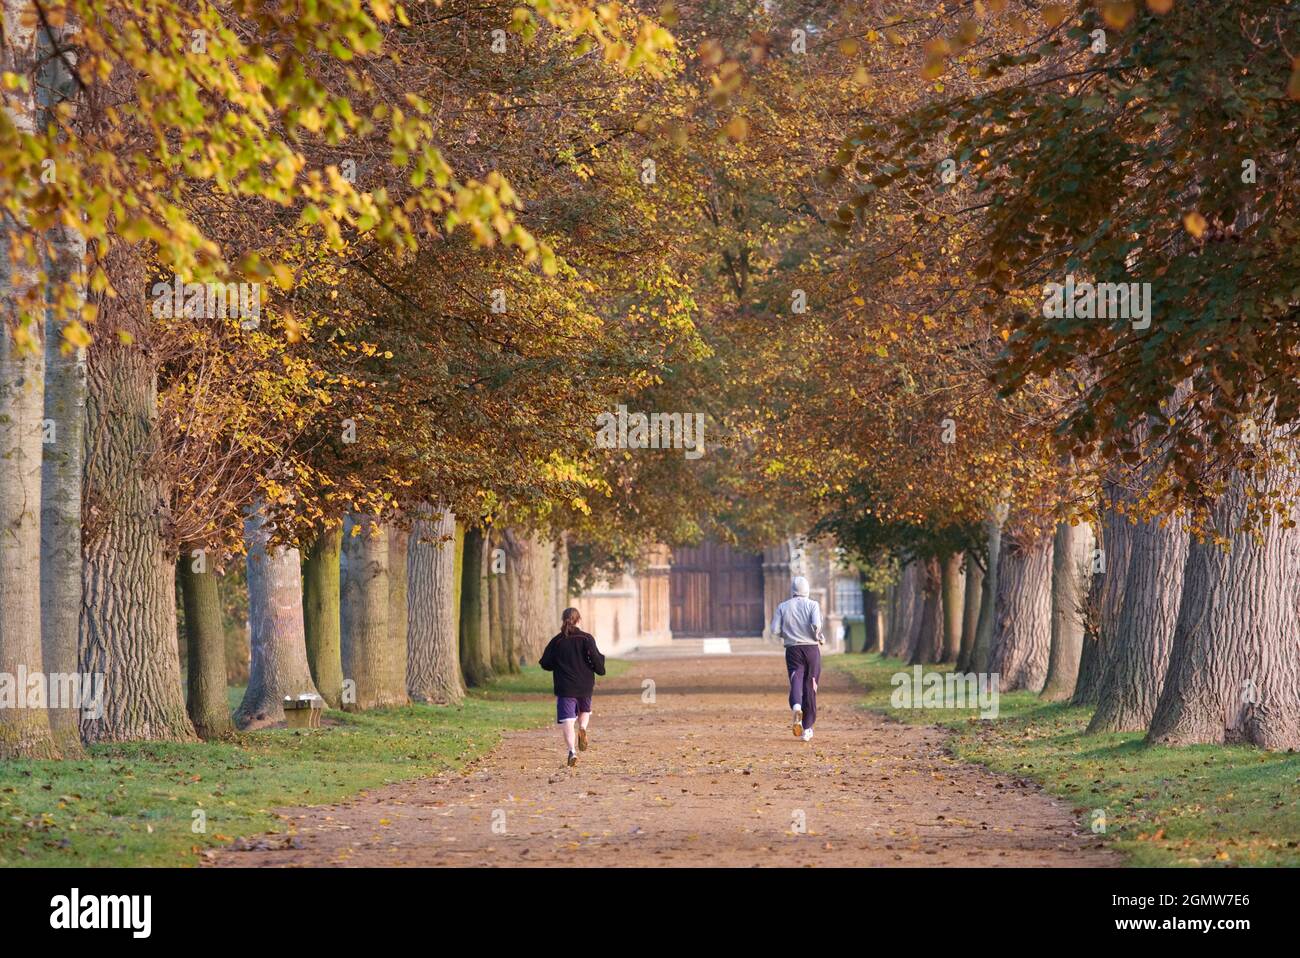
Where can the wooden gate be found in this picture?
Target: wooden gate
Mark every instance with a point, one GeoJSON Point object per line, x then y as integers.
{"type": "Point", "coordinates": [715, 591]}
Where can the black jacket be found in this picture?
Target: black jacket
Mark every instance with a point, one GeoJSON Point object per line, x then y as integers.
{"type": "Point", "coordinates": [576, 662]}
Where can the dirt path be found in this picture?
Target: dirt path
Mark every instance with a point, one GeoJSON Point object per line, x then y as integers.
{"type": "Point", "coordinates": [707, 774]}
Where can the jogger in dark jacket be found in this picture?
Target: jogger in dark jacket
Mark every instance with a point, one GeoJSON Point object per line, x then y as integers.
{"type": "Point", "coordinates": [575, 662]}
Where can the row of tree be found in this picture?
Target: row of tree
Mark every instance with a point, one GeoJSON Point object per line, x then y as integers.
{"type": "Point", "coordinates": [269, 300]}
{"type": "Point", "coordinates": [1120, 486]}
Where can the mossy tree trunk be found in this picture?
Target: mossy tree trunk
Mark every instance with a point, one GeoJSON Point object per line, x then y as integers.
{"type": "Point", "coordinates": [952, 590]}
{"type": "Point", "coordinates": [974, 585]}
{"type": "Point", "coordinates": [320, 600]}
{"type": "Point", "coordinates": [205, 645]}
{"type": "Point", "coordinates": [475, 646]}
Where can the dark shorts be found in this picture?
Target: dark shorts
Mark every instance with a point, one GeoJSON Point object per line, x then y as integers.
{"type": "Point", "coordinates": [567, 707]}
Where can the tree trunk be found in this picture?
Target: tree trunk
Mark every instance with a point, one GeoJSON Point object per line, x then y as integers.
{"type": "Point", "coordinates": [970, 613]}
{"type": "Point", "coordinates": [398, 616]}
{"type": "Point", "coordinates": [1105, 596]}
{"type": "Point", "coordinates": [561, 561]}
{"type": "Point", "coordinates": [433, 658]}
{"type": "Point", "coordinates": [458, 553]}
{"type": "Point", "coordinates": [320, 605]}
{"type": "Point", "coordinates": [475, 647]}
{"type": "Point", "coordinates": [128, 613]}
{"type": "Point", "coordinates": [24, 719]}
{"type": "Point", "coordinates": [1144, 633]}
{"type": "Point", "coordinates": [532, 595]}
{"type": "Point", "coordinates": [1023, 614]}
{"type": "Point", "coordinates": [984, 625]}
{"type": "Point", "coordinates": [871, 641]}
{"type": "Point", "coordinates": [61, 476]}
{"type": "Point", "coordinates": [927, 634]}
{"type": "Point", "coordinates": [1235, 664]}
{"type": "Point", "coordinates": [278, 641]}
{"type": "Point", "coordinates": [887, 604]}
{"type": "Point", "coordinates": [502, 580]}
{"type": "Point", "coordinates": [205, 643]}
{"type": "Point", "coordinates": [1070, 562]}
{"type": "Point", "coordinates": [905, 608]}
{"type": "Point", "coordinates": [366, 641]}
{"type": "Point", "coordinates": [952, 589]}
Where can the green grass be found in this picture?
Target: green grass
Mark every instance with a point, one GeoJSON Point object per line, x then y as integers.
{"type": "Point", "coordinates": [134, 804]}
{"type": "Point", "coordinates": [1199, 805]}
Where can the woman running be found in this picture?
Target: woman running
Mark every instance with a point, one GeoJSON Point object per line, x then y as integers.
{"type": "Point", "coordinates": [575, 661]}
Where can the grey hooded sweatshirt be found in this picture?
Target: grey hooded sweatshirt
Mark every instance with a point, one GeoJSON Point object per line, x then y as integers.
{"type": "Point", "coordinates": [798, 620]}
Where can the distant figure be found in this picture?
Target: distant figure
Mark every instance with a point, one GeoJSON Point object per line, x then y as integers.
{"type": "Point", "coordinates": [798, 621]}
{"type": "Point", "coordinates": [575, 661]}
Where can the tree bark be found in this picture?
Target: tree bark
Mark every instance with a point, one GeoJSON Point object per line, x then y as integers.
{"type": "Point", "coordinates": [927, 633]}
{"type": "Point", "coordinates": [887, 609]}
{"type": "Point", "coordinates": [475, 646]}
{"type": "Point", "coordinates": [320, 604]}
{"type": "Point", "coordinates": [433, 657]}
{"type": "Point", "coordinates": [970, 613]}
{"type": "Point", "coordinates": [905, 608]}
{"type": "Point", "coordinates": [278, 640]}
{"type": "Point", "coordinates": [871, 641]}
{"type": "Point", "coordinates": [458, 553]}
{"type": "Point", "coordinates": [561, 561]}
{"type": "Point", "coordinates": [1105, 596]}
{"type": "Point", "coordinates": [533, 591]}
{"type": "Point", "coordinates": [128, 612]}
{"type": "Point", "coordinates": [398, 616]}
{"type": "Point", "coordinates": [1235, 664]}
{"type": "Point", "coordinates": [952, 589]}
{"type": "Point", "coordinates": [25, 730]}
{"type": "Point", "coordinates": [1070, 557]}
{"type": "Point", "coordinates": [1144, 633]}
{"type": "Point", "coordinates": [1023, 613]}
{"type": "Point", "coordinates": [24, 720]}
{"type": "Point", "coordinates": [984, 626]}
{"type": "Point", "coordinates": [501, 586]}
{"type": "Point", "coordinates": [61, 476]}
{"type": "Point", "coordinates": [205, 643]}
{"type": "Point", "coordinates": [366, 640]}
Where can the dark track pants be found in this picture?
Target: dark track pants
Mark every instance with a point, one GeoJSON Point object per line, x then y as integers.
{"type": "Point", "coordinates": [803, 663]}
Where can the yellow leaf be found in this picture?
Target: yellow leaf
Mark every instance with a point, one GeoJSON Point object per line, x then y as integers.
{"type": "Point", "coordinates": [1054, 14]}
{"type": "Point", "coordinates": [1195, 224]}
{"type": "Point", "coordinates": [76, 336]}
{"type": "Point", "coordinates": [738, 128]}
{"type": "Point", "coordinates": [1160, 6]}
{"type": "Point", "coordinates": [1118, 14]}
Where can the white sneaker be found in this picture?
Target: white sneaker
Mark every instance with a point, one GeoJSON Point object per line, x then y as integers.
{"type": "Point", "coordinates": [798, 721]}
{"type": "Point", "coordinates": [807, 735]}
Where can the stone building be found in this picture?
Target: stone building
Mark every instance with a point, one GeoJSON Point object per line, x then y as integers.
{"type": "Point", "coordinates": [713, 591]}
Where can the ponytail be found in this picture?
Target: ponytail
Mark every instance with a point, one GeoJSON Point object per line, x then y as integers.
{"type": "Point", "coordinates": [569, 622]}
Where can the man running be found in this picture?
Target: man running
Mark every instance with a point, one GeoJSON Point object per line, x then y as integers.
{"type": "Point", "coordinates": [798, 621]}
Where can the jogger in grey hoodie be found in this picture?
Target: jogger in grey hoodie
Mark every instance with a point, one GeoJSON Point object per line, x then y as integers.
{"type": "Point", "coordinates": [798, 621]}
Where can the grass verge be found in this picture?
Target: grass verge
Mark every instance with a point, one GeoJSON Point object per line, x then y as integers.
{"type": "Point", "coordinates": [141, 803]}
{"type": "Point", "coordinates": [1197, 805]}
